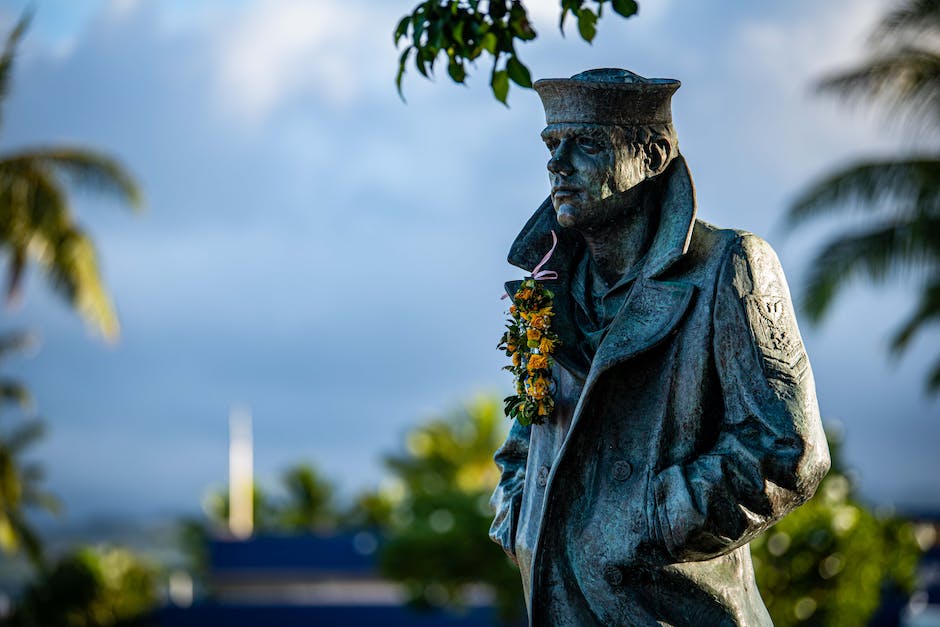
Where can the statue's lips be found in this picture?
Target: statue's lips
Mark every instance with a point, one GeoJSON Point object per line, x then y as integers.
{"type": "Point", "coordinates": [562, 191]}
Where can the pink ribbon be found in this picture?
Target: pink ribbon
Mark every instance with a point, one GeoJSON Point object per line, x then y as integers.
{"type": "Point", "coordinates": [543, 275]}
{"type": "Point", "coordinates": [537, 273]}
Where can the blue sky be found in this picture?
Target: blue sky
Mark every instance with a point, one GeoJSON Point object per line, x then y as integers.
{"type": "Point", "coordinates": [332, 257]}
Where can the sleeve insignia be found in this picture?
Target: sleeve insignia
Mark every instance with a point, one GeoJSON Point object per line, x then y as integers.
{"type": "Point", "coordinates": [776, 335]}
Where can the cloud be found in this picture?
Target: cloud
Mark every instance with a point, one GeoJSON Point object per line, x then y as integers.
{"type": "Point", "coordinates": [272, 51]}
{"type": "Point", "coordinates": [793, 50]}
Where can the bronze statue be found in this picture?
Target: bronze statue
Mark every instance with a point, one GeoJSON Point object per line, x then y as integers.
{"type": "Point", "coordinates": [685, 419]}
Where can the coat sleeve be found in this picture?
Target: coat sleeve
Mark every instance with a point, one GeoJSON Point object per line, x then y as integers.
{"type": "Point", "coordinates": [507, 498]}
{"type": "Point", "coordinates": [770, 452]}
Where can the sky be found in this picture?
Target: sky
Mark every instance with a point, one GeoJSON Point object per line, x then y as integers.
{"type": "Point", "coordinates": [332, 257]}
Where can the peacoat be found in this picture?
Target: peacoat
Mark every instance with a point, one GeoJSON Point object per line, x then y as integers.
{"type": "Point", "coordinates": [694, 428]}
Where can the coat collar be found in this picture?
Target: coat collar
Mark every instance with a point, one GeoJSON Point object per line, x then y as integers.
{"type": "Point", "coordinates": [653, 307]}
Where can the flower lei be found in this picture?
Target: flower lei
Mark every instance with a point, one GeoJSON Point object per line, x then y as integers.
{"type": "Point", "coordinates": [529, 343]}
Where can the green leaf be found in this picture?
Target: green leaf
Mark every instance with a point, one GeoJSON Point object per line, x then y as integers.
{"type": "Point", "coordinates": [421, 61]}
{"type": "Point", "coordinates": [518, 72]}
{"type": "Point", "coordinates": [418, 23]}
{"type": "Point", "coordinates": [587, 25]}
{"type": "Point", "coordinates": [489, 42]}
{"type": "Point", "coordinates": [401, 70]}
{"type": "Point", "coordinates": [497, 9]}
{"type": "Point", "coordinates": [625, 8]}
{"type": "Point", "coordinates": [500, 85]}
{"type": "Point", "coordinates": [456, 71]}
{"type": "Point", "coordinates": [402, 28]}
{"type": "Point", "coordinates": [568, 6]}
{"type": "Point", "coordinates": [458, 33]}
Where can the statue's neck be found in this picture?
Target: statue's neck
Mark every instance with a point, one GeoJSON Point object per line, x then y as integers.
{"type": "Point", "coordinates": [618, 245]}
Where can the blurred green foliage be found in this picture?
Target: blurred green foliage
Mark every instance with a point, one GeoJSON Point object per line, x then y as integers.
{"type": "Point", "coordinates": [460, 31]}
{"type": "Point", "coordinates": [303, 501]}
{"type": "Point", "coordinates": [437, 542]}
{"type": "Point", "coordinates": [92, 587]}
{"type": "Point", "coordinates": [20, 479]}
{"type": "Point", "coordinates": [826, 563]}
{"type": "Point", "coordinates": [309, 502]}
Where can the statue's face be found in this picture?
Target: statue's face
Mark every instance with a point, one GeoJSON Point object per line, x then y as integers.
{"type": "Point", "coordinates": [588, 172]}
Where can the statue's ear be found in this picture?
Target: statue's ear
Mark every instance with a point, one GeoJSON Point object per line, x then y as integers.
{"type": "Point", "coordinates": [657, 155]}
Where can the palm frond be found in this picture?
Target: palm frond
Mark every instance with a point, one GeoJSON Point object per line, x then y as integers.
{"type": "Point", "coordinates": [928, 309]}
{"type": "Point", "coordinates": [24, 435]}
{"type": "Point", "coordinates": [35, 221]}
{"type": "Point", "coordinates": [75, 274]}
{"type": "Point", "coordinates": [9, 52]}
{"type": "Point", "coordinates": [26, 537]}
{"type": "Point", "coordinates": [906, 81]}
{"type": "Point", "coordinates": [82, 168]}
{"type": "Point", "coordinates": [873, 254]}
{"type": "Point", "coordinates": [16, 342]}
{"type": "Point", "coordinates": [912, 184]}
{"type": "Point", "coordinates": [39, 499]}
{"type": "Point", "coordinates": [912, 17]}
{"type": "Point", "coordinates": [32, 473]}
{"type": "Point", "coordinates": [14, 392]}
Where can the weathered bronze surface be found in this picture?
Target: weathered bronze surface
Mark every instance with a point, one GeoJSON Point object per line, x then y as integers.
{"type": "Point", "coordinates": [686, 419]}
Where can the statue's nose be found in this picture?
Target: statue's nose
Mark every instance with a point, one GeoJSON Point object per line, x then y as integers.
{"type": "Point", "coordinates": [559, 164]}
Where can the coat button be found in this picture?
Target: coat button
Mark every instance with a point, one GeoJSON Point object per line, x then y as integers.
{"type": "Point", "coordinates": [621, 470]}
{"type": "Point", "coordinates": [613, 575]}
{"type": "Point", "coordinates": [542, 479]}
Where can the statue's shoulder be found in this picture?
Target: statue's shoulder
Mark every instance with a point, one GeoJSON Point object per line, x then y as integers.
{"type": "Point", "coordinates": [708, 245]}
{"type": "Point", "coordinates": [715, 243]}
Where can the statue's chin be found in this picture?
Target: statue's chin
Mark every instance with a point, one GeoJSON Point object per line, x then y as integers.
{"type": "Point", "coordinates": [566, 215]}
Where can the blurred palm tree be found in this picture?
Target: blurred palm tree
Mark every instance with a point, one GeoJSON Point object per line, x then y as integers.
{"type": "Point", "coordinates": [19, 480]}
{"type": "Point", "coordinates": [901, 194]}
{"type": "Point", "coordinates": [36, 224]}
{"type": "Point", "coordinates": [309, 503]}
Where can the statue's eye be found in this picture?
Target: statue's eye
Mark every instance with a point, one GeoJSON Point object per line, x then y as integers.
{"type": "Point", "coordinates": [552, 145]}
{"type": "Point", "coordinates": [589, 144]}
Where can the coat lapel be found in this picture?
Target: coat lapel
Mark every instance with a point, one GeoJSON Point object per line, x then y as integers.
{"type": "Point", "coordinates": [650, 313]}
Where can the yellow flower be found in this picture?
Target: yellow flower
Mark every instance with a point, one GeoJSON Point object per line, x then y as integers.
{"type": "Point", "coordinates": [512, 309]}
{"type": "Point", "coordinates": [537, 362]}
{"type": "Point", "coordinates": [524, 294]}
{"type": "Point", "coordinates": [543, 408]}
{"type": "Point", "coordinates": [546, 346]}
{"type": "Point", "coordinates": [533, 334]}
{"type": "Point", "coordinates": [538, 388]}
{"type": "Point", "coordinates": [516, 359]}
